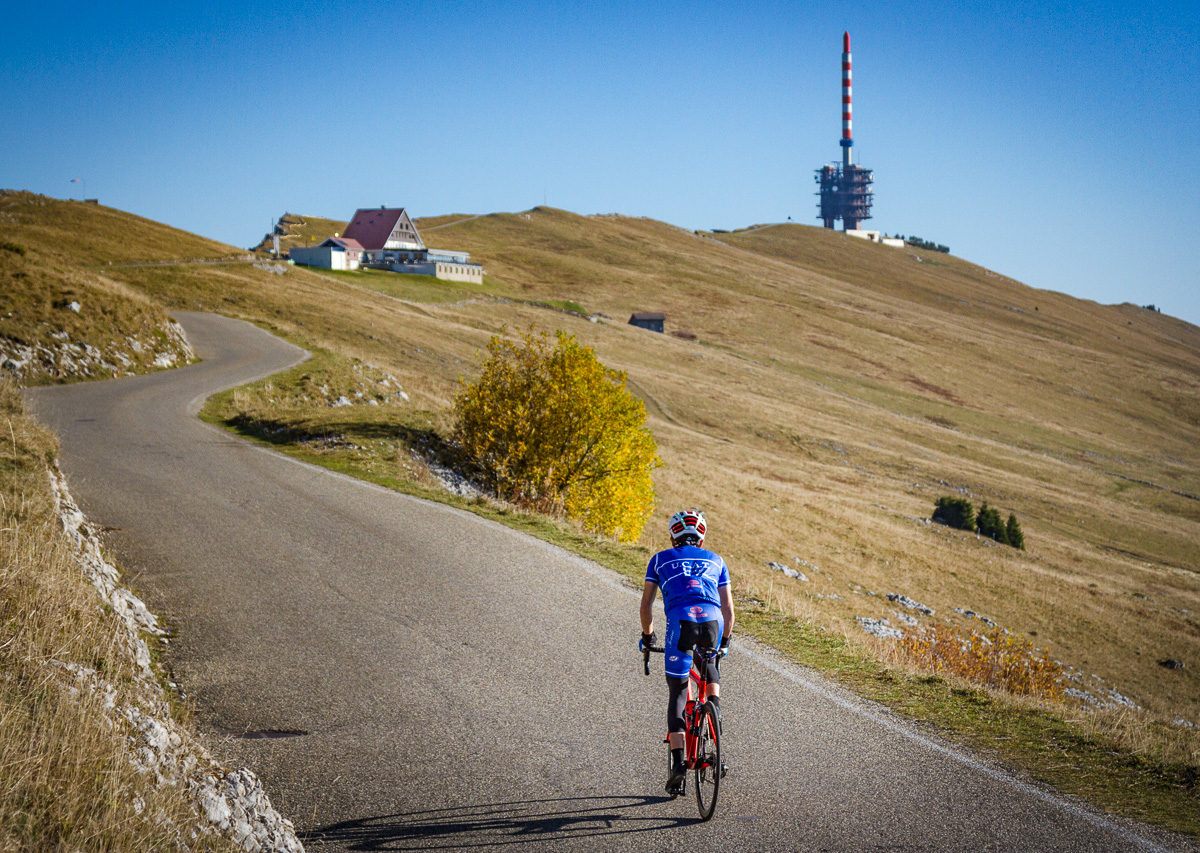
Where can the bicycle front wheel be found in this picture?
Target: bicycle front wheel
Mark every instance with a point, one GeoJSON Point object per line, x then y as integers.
{"type": "Point", "coordinates": [708, 761]}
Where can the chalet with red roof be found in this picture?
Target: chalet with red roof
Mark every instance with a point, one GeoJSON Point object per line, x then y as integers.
{"type": "Point", "coordinates": [387, 238]}
{"type": "Point", "coordinates": [384, 229]}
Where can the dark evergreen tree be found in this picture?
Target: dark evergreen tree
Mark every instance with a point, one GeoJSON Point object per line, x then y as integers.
{"type": "Point", "coordinates": [955, 512]}
{"type": "Point", "coordinates": [1016, 537]}
{"type": "Point", "coordinates": [988, 523]}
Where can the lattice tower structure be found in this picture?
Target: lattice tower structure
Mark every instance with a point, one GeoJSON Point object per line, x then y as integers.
{"type": "Point", "coordinates": [844, 193]}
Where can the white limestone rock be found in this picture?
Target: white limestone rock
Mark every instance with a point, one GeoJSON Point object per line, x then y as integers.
{"type": "Point", "coordinates": [879, 627]}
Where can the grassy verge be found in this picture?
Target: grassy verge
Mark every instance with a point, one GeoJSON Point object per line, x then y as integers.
{"type": "Point", "coordinates": [387, 443]}
{"type": "Point", "coordinates": [1045, 742]}
{"type": "Point", "coordinates": [67, 778]}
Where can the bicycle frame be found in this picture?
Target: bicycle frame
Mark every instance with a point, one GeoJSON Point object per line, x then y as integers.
{"type": "Point", "coordinates": [690, 727]}
{"type": "Point", "coordinates": [695, 699]}
{"type": "Point", "coordinates": [706, 763]}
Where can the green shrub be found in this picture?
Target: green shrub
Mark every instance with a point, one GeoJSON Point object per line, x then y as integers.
{"type": "Point", "coordinates": [554, 430]}
{"type": "Point", "coordinates": [955, 512]}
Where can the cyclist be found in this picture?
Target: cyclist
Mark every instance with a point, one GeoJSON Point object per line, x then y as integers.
{"type": "Point", "coordinates": [699, 607]}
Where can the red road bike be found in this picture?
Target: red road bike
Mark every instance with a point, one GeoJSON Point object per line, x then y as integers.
{"type": "Point", "coordinates": [701, 733]}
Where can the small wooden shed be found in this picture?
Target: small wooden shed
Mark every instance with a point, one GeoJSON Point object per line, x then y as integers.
{"type": "Point", "coordinates": [651, 320]}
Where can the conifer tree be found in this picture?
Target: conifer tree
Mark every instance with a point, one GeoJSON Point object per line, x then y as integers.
{"type": "Point", "coordinates": [1016, 536]}
{"type": "Point", "coordinates": [954, 512]}
{"type": "Point", "coordinates": [988, 524]}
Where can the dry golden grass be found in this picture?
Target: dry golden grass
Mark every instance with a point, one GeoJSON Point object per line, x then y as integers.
{"type": "Point", "coordinates": [834, 390]}
{"type": "Point", "coordinates": [66, 778]}
{"type": "Point", "coordinates": [994, 659]}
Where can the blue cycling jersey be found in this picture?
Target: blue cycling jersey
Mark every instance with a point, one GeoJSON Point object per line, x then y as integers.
{"type": "Point", "coordinates": [688, 576]}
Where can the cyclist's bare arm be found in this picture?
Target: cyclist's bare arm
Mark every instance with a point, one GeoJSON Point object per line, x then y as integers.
{"type": "Point", "coordinates": [647, 608]}
{"type": "Point", "coordinates": [726, 610]}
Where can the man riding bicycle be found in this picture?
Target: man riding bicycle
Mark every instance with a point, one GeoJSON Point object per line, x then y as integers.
{"type": "Point", "coordinates": [699, 607]}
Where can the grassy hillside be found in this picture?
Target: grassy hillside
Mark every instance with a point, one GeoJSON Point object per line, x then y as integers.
{"type": "Point", "coordinates": [62, 312]}
{"type": "Point", "coordinates": [296, 230]}
{"type": "Point", "coordinates": [826, 392]}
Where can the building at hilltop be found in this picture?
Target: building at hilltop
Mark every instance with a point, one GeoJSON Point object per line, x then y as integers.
{"type": "Point", "coordinates": [844, 189]}
{"type": "Point", "coordinates": [386, 238]}
{"type": "Point", "coordinates": [875, 237]}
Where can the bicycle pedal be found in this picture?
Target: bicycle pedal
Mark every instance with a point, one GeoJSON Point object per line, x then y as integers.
{"type": "Point", "coordinates": [724, 769]}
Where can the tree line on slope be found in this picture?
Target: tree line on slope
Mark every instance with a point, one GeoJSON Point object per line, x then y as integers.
{"type": "Point", "coordinates": [960, 513]}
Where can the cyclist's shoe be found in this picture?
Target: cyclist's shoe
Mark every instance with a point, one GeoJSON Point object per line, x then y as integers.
{"type": "Point", "coordinates": [676, 781]}
{"type": "Point", "coordinates": [724, 769]}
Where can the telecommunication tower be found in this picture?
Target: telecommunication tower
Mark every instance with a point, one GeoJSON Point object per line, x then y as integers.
{"type": "Point", "coordinates": [845, 188]}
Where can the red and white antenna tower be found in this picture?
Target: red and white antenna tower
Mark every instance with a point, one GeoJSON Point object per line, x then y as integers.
{"type": "Point", "coordinates": [845, 189]}
{"type": "Point", "coordinates": [847, 78]}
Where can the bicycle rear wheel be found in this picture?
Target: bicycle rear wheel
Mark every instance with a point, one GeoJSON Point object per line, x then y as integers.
{"type": "Point", "coordinates": [708, 761]}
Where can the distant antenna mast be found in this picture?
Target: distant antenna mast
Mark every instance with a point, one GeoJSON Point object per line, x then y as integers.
{"type": "Point", "coordinates": [847, 84]}
{"type": "Point", "coordinates": [845, 189]}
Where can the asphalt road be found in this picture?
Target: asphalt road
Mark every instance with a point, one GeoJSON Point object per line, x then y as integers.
{"type": "Point", "coordinates": [436, 680]}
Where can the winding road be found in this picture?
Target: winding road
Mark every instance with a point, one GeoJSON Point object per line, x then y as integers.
{"type": "Point", "coordinates": [406, 675]}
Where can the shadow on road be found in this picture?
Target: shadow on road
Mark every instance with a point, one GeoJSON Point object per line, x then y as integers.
{"type": "Point", "coordinates": [498, 824]}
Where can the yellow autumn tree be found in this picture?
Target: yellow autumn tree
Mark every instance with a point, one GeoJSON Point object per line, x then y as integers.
{"type": "Point", "coordinates": [552, 429]}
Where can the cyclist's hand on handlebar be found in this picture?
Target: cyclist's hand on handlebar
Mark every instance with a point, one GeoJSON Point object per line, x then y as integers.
{"type": "Point", "coordinates": [647, 641]}
{"type": "Point", "coordinates": [725, 646]}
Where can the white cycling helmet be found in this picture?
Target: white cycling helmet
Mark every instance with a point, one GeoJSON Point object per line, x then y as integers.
{"type": "Point", "coordinates": [688, 522]}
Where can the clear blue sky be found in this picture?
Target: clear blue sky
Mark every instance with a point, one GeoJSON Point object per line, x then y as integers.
{"type": "Point", "coordinates": [1056, 143]}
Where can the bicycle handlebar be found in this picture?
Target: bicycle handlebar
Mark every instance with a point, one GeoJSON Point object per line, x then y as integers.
{"type": "Point", "coordinates": [646, 650]}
